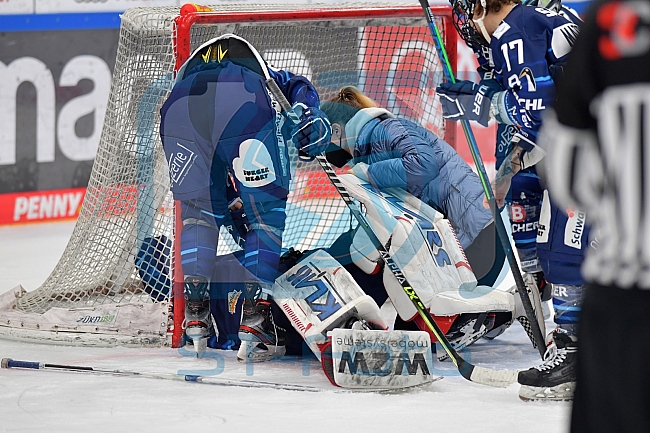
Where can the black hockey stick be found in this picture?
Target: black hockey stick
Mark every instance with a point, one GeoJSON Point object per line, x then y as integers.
{"type": "Point", "coordinates": [485, 376]}
{"type": "Point", "coordinates": [537, 337]}
{"type": "Point", "coordinates": [209, 380]}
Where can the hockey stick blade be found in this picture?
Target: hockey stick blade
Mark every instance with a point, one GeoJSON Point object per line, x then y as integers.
{"type": "Point", "coordinates": [497, 378]}
{"type": "Point", "coordinates": [209, 380]}
{"type": "Point", "coordinates": [537, 335]}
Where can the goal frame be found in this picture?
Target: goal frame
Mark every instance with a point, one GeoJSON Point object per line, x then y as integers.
{"type": "Point", "coordinates": [181, 40]}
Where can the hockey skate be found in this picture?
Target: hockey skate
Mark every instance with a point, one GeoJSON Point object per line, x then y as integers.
{"type": "Point", "coordinates": [197, 323]}
{"type": "Point", "coordinates": [261, 339]}
{"type": "Point", "coordinates": [555, 379]}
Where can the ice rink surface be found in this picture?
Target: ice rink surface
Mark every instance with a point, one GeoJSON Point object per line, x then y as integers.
{"type": "Point", "coordinates": [44, 401]}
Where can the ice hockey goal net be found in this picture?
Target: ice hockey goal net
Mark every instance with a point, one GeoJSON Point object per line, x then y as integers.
{"type": "Point", "coordinates": [113, 283]}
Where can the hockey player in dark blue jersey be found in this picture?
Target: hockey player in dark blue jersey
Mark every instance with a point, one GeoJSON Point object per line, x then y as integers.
{"type": "Point", "coordinates": [528, 47]}
{"type": "Point", "coordinates": [524, 203]}
{"type": "Point", "coordinates": [220, 121]}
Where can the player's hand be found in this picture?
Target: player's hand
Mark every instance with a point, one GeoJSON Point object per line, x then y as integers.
{"type": "Point", "coordinates": [466, 100]}
{"type": "Point", "coordinates": [314, 132]}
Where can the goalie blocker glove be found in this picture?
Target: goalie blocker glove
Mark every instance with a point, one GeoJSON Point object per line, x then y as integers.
{"type": "Point", "coordinates": [466, 100]}
{"type": "Point", "coordinates": [313, 133]}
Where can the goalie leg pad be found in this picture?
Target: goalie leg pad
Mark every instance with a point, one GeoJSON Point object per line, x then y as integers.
{"type": "Point", "coordinates": [432, 261]}
{"type": "Point", "coordinates": [318, 294]}
{"type": "Point", "coordinates": [378, 359]}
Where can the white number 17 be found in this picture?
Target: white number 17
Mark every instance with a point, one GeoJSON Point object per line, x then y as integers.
{"type": "Point", "coordinates": [518, 45]}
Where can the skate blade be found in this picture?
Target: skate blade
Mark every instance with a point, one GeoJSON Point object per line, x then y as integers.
{"type": "Point", "coordinates": [251, 351]}
{"type": "Point", "coordinates": [562, 392]}
{"type": "Point", "coordinates": [199, 341]}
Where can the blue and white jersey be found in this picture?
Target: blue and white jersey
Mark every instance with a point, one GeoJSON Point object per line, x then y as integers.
{"type": "Point", "coordinates": [527, 43]}
{"type": "Point", "coordinates": [220, 116]}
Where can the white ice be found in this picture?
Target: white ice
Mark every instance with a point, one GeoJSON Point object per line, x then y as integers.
{"type": "Point", "coordinates": [44, 401]}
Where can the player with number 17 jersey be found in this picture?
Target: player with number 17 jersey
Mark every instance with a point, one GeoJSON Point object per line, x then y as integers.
{"type": "Point", "coordinates": [525, 47]}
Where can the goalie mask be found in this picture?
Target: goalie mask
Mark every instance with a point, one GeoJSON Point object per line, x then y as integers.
{"type": "Point", "coordinates": [463, 15]}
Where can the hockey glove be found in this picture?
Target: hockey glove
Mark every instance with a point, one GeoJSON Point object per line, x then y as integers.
{"type": "Point", "coordinates": [466, 100]}
{"type": "Point", "coordinates": [314, 132]}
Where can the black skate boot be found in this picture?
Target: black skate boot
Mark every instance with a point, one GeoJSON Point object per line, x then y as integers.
{"type": "Point", "coordinates": [555, 379]}
{"type": "Point", "coordinates": [261, 339]}
{"type": "Point", "coordinates": [197, 323]}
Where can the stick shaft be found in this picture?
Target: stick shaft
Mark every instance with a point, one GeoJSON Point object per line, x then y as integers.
{"type": "Point", "coordinates": [210, 380]}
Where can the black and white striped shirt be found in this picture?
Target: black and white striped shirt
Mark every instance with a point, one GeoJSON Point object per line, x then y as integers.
{"type": "Point", "coordinates": [597, 140]}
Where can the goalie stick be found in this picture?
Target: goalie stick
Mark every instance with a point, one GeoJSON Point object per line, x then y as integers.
{"type": "Point", "coordinates": [473, 373]}
{"type": "Point", "coordinates": [537, 338]}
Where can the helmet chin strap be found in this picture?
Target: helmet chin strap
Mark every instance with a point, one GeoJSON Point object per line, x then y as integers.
{"type": "Point", "coordinates": [481, 25]}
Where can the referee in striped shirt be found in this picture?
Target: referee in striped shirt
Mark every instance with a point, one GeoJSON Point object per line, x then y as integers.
{"type": "Point", "coordinates": [597, 140]}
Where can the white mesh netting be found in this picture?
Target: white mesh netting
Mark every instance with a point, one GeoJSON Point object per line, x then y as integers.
{"type": "Point", "coordinates": [119, 254]}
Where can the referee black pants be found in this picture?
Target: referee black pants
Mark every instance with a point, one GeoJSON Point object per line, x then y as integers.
{"type": "Point", "coordinates": [613, 384]}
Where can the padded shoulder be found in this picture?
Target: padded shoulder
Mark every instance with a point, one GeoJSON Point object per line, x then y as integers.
{"type": "Point", "coordinates": [226, 47]}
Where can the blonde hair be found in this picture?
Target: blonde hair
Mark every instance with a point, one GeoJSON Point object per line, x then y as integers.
{"type": "Point", "coordinates": [342, 107]}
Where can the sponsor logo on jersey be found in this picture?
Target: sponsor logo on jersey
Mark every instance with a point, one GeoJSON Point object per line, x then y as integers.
{"type": "Point", "coordinates": [563, 39]}
{"type": "Point", "coordinates": [574, 229]}
{"type": "Point", "coordinates": [517, 213]}
{"type": "Point", "coordinates": [180, 163]}
{"type": "Point", "coordinates": [525, 227]}
{"type": "Point", "coordinates": [527, 73]}
{"type": "Point", "coordinates": [233, 297]}
{"type": "Point", "coordinates": [254, 166]}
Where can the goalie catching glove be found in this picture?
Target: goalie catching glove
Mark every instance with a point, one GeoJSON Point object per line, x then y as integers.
{"type": "Point", "coordinates": [313, 133]}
